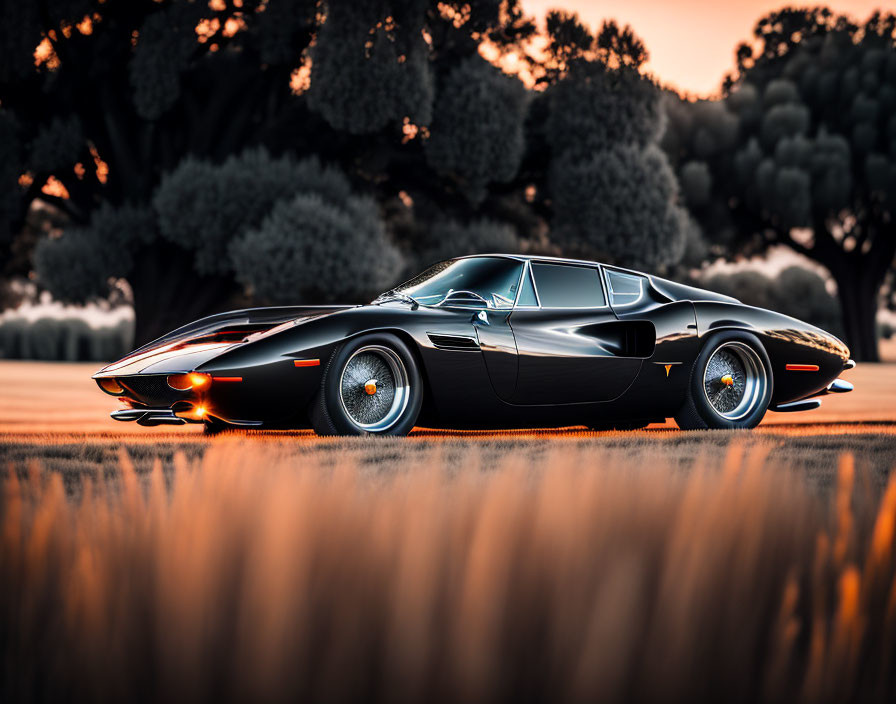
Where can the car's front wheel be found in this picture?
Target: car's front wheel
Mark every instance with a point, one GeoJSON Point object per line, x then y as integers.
{"type": "Point", "coordinates": [371, 385]}
{"type": "Point", "coordinates": [731, 384]}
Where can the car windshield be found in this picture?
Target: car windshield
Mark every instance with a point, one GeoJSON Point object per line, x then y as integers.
{"type": "Point", "coordinates": [479, 282]}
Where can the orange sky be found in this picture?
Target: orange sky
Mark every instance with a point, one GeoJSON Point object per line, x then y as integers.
{"type": "Point", "coordinates": [691, 42]}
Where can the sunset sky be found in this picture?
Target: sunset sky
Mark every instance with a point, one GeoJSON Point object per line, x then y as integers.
{"type": "Point", "coordinates": [691, 42]}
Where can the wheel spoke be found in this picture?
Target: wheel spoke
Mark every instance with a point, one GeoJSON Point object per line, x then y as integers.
{"type": "Point", "coordinates": [734, 380]}
{"type": "Point", "coordinates": [379, 410]}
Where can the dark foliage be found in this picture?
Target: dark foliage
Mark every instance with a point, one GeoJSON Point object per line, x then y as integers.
{"type": "Point", "coordinates": [613, 193]}
{"type": "Point", "coordinates": [285, 229]}
{"type": "Point", "coordinates": [134, 104]}
{"type": "Point", "coordinates": [168, 135]}
{"type": "Point", "coordinates": [477, 133]}
{"type": "Point", "coordinates": [64, 339]}
{"type": "Point", "coordinates": [802, 151]}
{"type": "Point", "coordinates": [370, 66]}
{"type": "Point", "coordinates": [317, 249]}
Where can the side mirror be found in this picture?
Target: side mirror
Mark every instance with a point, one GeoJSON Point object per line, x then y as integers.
{"type": "Point", "coordinates": [481, 317]}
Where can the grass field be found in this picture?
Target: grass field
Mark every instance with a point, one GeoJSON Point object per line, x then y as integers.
{"type": "Point", "coordinates": [164, 565]}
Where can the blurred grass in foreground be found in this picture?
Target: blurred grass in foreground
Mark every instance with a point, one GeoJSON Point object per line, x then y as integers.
{"type": "Point", "coordinates": [247, 576]}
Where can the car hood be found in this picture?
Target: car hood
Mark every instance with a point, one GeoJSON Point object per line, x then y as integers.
{"type": "Point", "coordinates": [189, 346]}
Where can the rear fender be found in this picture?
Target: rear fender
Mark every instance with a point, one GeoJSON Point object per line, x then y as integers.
{"type": "Point", "coordinates": [804, 358]}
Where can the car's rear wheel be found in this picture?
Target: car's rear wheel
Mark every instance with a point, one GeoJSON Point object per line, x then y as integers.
{"type": "Point", "coordinates": [730, 386]}
{"type": "Point", "coordinates": [371, 386]}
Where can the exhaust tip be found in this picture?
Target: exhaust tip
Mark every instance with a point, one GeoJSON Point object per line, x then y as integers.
{"type": "Point", "coordinates": [148, 416]}
{"type": "Point", "coordinates": [839, 386]}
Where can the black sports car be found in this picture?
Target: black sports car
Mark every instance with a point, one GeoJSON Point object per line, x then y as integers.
{"type": "Point", "coordinates": [491, 341]}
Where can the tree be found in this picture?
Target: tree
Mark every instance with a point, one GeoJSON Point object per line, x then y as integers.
{"type": "Point", "coordinates": [82, 262]}
{"type": "Point", "coordinates": [698, 134]}
{"type": "Point", "coordinates": [613, 194]}
{"type": "Point", "coordinates": [275, 225]}
{"type": "Point", "coordinates": [370, 66]}
{"type": "Point", "coordinates": [814, 160]}
{"type": "Point", "coordinates": [477, 134]}
{"type": "Point", "coordinates": [310, 248]}
{"type": "Point", "coordinates": [120, 92]}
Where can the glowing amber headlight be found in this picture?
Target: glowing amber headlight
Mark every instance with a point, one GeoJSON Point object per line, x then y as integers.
{"type": "Point", "coordinates": [185, 382]}
{"type": "Point", "coordinates": [200, 381]}
{"type": "Point", "coordinates": [111, 386]}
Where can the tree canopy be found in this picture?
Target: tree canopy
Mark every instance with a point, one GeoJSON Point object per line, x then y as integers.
{"type": "Point", "coordinates": [114, 109]}
{"type": "Point", "coordinates": [614, 195]}
{"type": "Point", "coordinates": [283, 228]}
{"type": "Point", "coordinates": [802, 152]}
{"type": "Point", "coordinates": [206, 152]}
{"type": "Point", "coordinates": [218, 152]}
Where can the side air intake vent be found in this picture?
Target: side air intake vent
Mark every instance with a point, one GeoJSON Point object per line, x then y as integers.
{"type": "Point", "coordinates": [458, 343]}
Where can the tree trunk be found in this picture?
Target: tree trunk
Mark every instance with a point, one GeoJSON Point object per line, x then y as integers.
{"type": "Point", "coordinates": [168, 292]}
{"type": "Point", "coordinates": [857, 290]}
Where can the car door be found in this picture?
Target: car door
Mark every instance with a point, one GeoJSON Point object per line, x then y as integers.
{"type": "Point", "coordinates": [488, 318]}
{"type": "Point", "coordinates": [571, 346]}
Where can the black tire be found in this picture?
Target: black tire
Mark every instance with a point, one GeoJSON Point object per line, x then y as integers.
{"type": "Point", "coordinates": [402, 390]}
{"type": "Point", "coordinates": [751, 384]}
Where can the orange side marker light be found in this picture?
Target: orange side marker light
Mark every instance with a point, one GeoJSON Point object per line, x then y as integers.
{"type": "Point", "coordinates": [801, 367]}
{"type": "Point", "coordinates": [306, 362]}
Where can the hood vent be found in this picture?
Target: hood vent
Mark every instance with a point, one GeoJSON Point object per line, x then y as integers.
{"type": "Point", "coordinates": [457, 343]}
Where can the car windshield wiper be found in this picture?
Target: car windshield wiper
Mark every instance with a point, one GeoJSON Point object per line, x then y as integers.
{"type": "Point", "coordinates": [396, 295]}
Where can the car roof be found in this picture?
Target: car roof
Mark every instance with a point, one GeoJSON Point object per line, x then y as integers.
{"type": "Point", "coordinates": [541, 258]}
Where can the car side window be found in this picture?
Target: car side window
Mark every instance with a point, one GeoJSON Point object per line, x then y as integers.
{"type": "Point", "coordinates": [568, 286]}
{"type": "Point", "coordinates": [625, 289]}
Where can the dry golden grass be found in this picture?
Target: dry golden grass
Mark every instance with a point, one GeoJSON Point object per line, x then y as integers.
{"type": "Point", "coordinates": [248, 575]}
{"type": "Point", "coordinates": [158, 564]}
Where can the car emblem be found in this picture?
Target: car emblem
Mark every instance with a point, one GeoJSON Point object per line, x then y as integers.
{"type": "Point", "coordinates": [667, 366]}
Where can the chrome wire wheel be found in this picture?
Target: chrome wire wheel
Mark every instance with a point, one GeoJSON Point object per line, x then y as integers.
{"type": "Point", "coordinates": [734, 380]}
{"type": "Point", "coordinates": [373, 388]}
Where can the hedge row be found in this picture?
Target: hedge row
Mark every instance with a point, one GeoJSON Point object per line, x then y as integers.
{"type": "Point", "coordinates": [64, 339]}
